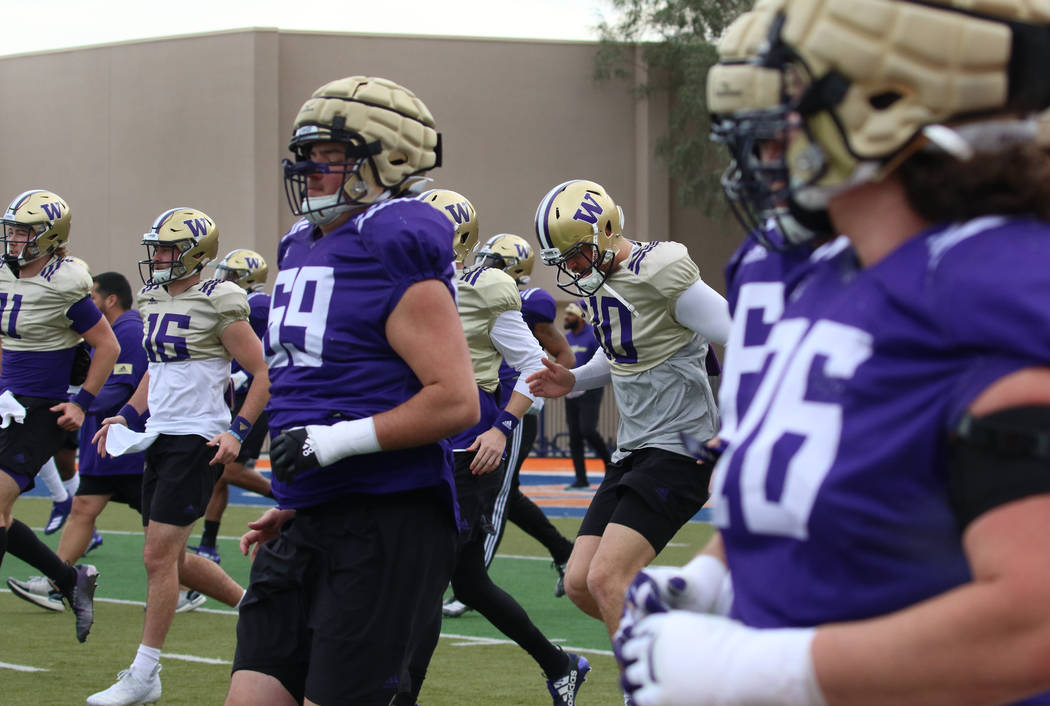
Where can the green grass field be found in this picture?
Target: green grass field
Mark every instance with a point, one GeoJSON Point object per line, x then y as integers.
{"type": "Point", "coordinates": [472, 658]}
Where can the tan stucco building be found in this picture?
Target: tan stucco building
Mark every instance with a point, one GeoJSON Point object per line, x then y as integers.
{"type": "Point", "coordinates": [126, 131]}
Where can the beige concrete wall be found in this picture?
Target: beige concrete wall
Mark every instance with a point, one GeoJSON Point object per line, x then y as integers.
{"type": "Point", "coordinates": [126, 131]}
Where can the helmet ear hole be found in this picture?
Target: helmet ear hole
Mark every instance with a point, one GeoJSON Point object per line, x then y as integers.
{"type": "Point", "coordinates": [883, 100]}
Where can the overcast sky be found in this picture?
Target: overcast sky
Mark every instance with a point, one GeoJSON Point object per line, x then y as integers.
{"type": "Point", "coordinates": [38, 25]}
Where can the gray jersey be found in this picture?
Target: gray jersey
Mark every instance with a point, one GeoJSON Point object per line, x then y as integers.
{"type": "Point", "coordinates": [658, 372]}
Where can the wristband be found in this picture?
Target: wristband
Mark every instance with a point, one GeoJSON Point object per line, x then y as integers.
{"type": "Point", "coordinates": [136, 421]}
{"type": "Point", "coordinates": [240, 428]}
{"type": "Point", "coordinates": [83, 399]}
{"type": "Point", "coordinates": [506, 423]}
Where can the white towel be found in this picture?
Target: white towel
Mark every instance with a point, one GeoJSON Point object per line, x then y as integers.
{"type": "Point", "coordinates": [120, 440]}
{"type": "Point", "coordinates": [10, 409]}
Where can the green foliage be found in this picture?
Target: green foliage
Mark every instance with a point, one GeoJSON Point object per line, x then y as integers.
{"type": "Point", "coordinates": [674, 42]}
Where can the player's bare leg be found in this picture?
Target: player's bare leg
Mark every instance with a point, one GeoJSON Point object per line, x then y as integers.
{"type": "Point", "coordinates": [621, 554]}
{"type": "Point", "coordinates": [76, 535]}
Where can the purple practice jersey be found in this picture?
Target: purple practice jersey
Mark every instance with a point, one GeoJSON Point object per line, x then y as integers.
{"type": "Point", "coordinates": [537, 306]}
{"type": "Point", "coordinates": [583, 344]}
{"type": "Point", "coordinates": [120, 385]}
{"type": "Point", "coordinates": [258, 314]}
{"type": "Point", "coordinates": [756, 279]}
{"type": "Point", "coordinates": [832, 497]}
{"type": "Point", "coordinates": [327, 350]}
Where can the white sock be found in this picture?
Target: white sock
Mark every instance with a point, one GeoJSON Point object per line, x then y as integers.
{"type": "Point", "coordinates": [72, 484]}
{"type": "Point", "coordinates": [146, 660]}
{"type": "Point", "coordinates": [49, 474]}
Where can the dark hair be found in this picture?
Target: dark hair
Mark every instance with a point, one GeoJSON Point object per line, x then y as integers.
{"type": "Point", "coordinates": [116, 284]}
{"type": "Point", "coordinates": [1015, 181]}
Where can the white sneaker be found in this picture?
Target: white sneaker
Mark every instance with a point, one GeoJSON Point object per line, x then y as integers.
{"type": "Point", "coordinates": [129, 690]}
{"type": "Point", "coordinates": [38, 590]}
{"type": "Point", "coordinates": [189, 600]}
{"type": "Point", "coordinates": [453, 608]}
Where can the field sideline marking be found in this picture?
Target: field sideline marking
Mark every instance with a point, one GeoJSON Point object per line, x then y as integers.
{"type": "Point", "coordinates": [21, 667]}
{"type": "Point", "coordinates": [194, 658]}
{"type": "Point", "coordinates": [471, 641]}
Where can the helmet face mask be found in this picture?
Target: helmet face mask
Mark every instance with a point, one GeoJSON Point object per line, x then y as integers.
{"type": "Point", "coordinates": [35, 224]}
{"type": "Point", "coordinates": [356, 184]}
{"type": "Point", "coordinates": [580, 229]}
{"type": "Point", "coordinates": [246, 268]}
{"type": "Point", "coordinates": [508, 252]}
{"type": "Point", "coordinates": [186, 240]}
{"type": "Point", "coordinates": [376, 123]}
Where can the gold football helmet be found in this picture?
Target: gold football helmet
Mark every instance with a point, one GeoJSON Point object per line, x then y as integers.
{"type": "Point", "coordinates": [875, 83]}
{"type": "Point", "coordinates": [245, 267]}
{"type": "Point", "coordinates": [579, 218]}
{"type": "Point", "coordinates": [508, 252]}
{"type": "Point", "coordinates": [382, 125]}
{"type": "Point", "coordinates": [461, 213]}
{"type": "Point", "coordinates": [38, 221]}
{"type": "Point", "coordinates": [193, 236]}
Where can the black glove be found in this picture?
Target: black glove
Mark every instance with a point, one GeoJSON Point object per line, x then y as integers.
{"type": "Point", "coordinates": [81, 362]}
{"type": "Point", "coordinates": [291, 453]}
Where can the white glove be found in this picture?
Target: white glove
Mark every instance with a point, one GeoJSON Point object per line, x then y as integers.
{"type": "Point", "coordinates": [10, 409]}
{"type": "Point", "coordinates": [701, 586]}
{"type": "Point", "coordinates": [238, 379]}
{"type": "Point", "coordinates": [686, 659]}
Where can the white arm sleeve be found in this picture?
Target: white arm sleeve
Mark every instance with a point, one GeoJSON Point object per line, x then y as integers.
{"type": "Point", "coordinates": [705, 311]}
{"type": "Point", "coordinates": [594, 373]}
{"type": "Point", "coordinates": [512, 338]}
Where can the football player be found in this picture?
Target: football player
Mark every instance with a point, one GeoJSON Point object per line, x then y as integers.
{"type": "Point", "coordinates": [192, 329]}
{"type": "Point", "coordinates": [909, 541]}
{"type": "Point", "coordinates": [45, 312]}
{"type": "Point", "coordinates": [248, 269]}
{"type": "Point", "coordinates": [116, 478]}
{"type": "Point", "coordinates": [370, 375]}
{"type": "Point", "coordinates": [514, 255]}
{"type": "Point", "coordinates": [490, 308]}
{"type": "Point", "coordinates": [655, 319]}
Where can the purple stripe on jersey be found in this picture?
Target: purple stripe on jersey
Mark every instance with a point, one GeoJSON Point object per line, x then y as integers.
{"type": "Point", "coordinates": [37, 373]}
{"type": "Point", "coordinates": [84, 314]}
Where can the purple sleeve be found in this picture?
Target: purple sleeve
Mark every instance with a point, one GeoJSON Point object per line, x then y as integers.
{"type": "Point", "coordinates": [84, 314]}
{"type": "Point", "coordinates": [413, 241]}
{"type": "Point", "coordinates": [992, 294]}
{"type": "Point", "coordinates": [537, 306]}
{"type": "Point", "coordinates": [259, 311]}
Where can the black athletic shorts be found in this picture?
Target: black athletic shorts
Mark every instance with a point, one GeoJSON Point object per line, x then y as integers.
{"type": "Point", "coordinates": [652, 491]}
{"type": "Point", "coordinates": [476, 495]}
{"type": "Point", "coordinates": [121, 487]}
{"type": "Point", "coordinates": [71, 440]}
{"type": "Point", "coordinates": [337, 601]}
{"type": "Point", "coordinates": [252, 445]}
{"type": "Point", "coordinates": [25, 447]}
{"type": "Point", "coordinates": [177, 482]}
